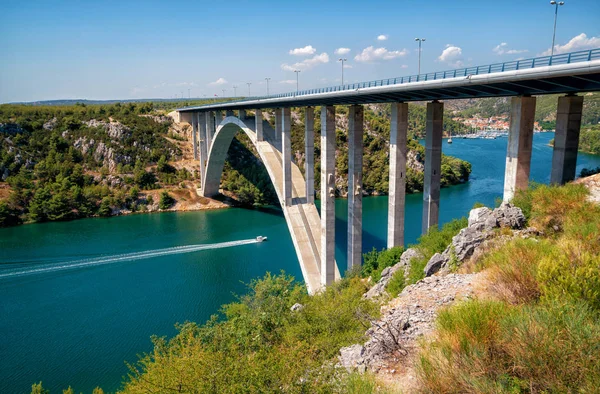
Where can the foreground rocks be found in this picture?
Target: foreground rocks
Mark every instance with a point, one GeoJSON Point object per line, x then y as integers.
{"type": "Point", "coordinates": [481, 223]}
{"type": "Point", "coordinates": [386, 275]}
{"type": "Point", "coordinates": [406, 318]}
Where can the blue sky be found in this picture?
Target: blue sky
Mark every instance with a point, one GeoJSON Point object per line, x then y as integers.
{"type": "Point", "coordinates": [150, 49]}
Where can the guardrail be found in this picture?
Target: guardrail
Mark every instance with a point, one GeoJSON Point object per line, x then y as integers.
{"type": "Point", "coordinates": [543, 61]}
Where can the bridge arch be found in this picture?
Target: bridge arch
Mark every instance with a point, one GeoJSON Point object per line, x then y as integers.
{"type": "Point", "coordinates": [302, 218]}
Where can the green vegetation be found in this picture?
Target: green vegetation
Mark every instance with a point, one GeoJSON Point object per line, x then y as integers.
{"type": "Point", "coordinates": [259, 345]}
{"type": "Point", "coordinates": [166, 201]}
{"type": "Point", "coordinates": [542, 333]}
{"type": "Point", "coordinates": [375, 262]}
{"type": "Point", "coordinates": [589, 139]}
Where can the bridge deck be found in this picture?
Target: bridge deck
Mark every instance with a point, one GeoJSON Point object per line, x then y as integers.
{"type": "Point", "coordinates": [564, 73]}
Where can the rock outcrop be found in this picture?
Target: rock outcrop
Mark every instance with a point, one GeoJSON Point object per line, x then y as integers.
{"type": "Point", "coordinates": [481, 223]}
{"type": "Point", "coordinates": [386, 275]}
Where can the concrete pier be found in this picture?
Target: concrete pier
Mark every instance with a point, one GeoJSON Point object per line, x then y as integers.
{"type": "Point", "coordinates": [278, 124]}
{"type": "Point", "coordinates": [566, 139]}
{"type": "Point", "coordinates": [195, 134]}
{"type": "Point", "coordinates": [309, 153]}
{"type": "Point", "coordinates": [355, 173]}
{"type": "Point", "coordinates": [327, 195]}
{"type": "Point", "coordinates": [286, 155]}
{"type": "Point", "coordinates": [258, 118]}
{"type": "Point", "coordinates": [397, 181]}
{"type": "Point", "coordinates": [210, 128]}
{"type": "Point", "coordinates": [433, 165]}
{"type": "Point", "coordinates": [229, 112]}
{"type": "Point", "coordinates": [242, 114]}
{"type": "Point", "coordinates": [202, 142]}
{"type": "Point", "coordinates": [520, 139]}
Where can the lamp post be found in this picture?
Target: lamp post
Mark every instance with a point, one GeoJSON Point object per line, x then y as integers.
{"type": "Point", "coordinates": [267, 79]}
{"type": "Point", "coordinates": [234, 91]}
{"type": "Point", "coordinates": [342, 60]}
{"type": "Point", "coordinates": [249, 83]}
{"type": "Point", "coordinates": [555, 4]}
{"type": "Point", "coordinates": [297, 73]}
{"type": "Point", "coordinates": [420, 40]}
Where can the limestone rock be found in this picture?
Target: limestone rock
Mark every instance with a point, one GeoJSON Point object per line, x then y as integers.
{"type": "Point", "coordinates": [435, 263]}
{"type": "Point", "coordinates": [466, 241]}
{"type": "Point", "coordinates": [482, 219]}
{"type": "Point", "coordinates": [51, 124]}
{"type": "Point", "coordinates": [388, 272]}
{"type": "Point", "coordinates": [508, 215]}
{"type": "Point", "coordinates": [351, 358]}
{"type": "Point", "coordinates": [297, 307]}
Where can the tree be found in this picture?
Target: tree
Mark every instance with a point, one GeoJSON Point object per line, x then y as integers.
{"type": "Point", "coordinates": [105, 209]}
{"type": "Point", "coordinates": [166, 201]}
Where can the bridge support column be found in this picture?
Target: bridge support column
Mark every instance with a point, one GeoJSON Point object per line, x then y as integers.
{"type": "Point", "coordinates": [433, 165]}
{"type": "Point", "coordinates": [218, 120]}
{"type": "Point", "coordinates": [203, 148]}
{"type": "Point", "coordinates": [278, 123]}
{"type": "Point", "coordinates": [259, 125]}
{"type": "Point", "coordinates": [242, 114]}
{"type": "Point", "coordinates": [355, 164]}
{"type": "Point", "coordinates": [566, 139]}
{"type": "Point", "coordinates": [286, 155]}
{"type": "Point", "coordinates": [229, 112]}
{"type": "Point", "coordinates": [327, 195]}
{"type": "Point", "coordinates": [397, 182]}
{"type": "Point", "coordinates": [210, 129]}
{"type": "Point", "coordinates": [520, 139]}
{"type": "Point", "coordinates": [309, 153]}
{"type": "Point", "coordinates": [195, 134]}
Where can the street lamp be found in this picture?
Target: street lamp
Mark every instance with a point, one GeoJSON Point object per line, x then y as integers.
{"type": "Point", "coordinates": [420, 41]}
{"type": "Point", "coordinates": [342, 60]}
{"type": "Point", "coordinates": [234, 91]}
{"type": "Point", "coordinates": [249, 83]}
{"type": "Point", "coordinates": [297, 72]}
{"type": "Point", "coordinates": [555, 4]}
{"type": "Point", "coordinates": [267, 79]}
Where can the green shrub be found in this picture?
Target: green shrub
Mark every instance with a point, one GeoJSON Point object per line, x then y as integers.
{"type": "Point", "coordinates": [397, 283]}
{"type": "Point", "coordinates": [571, 273]}
{"type": "Point", "coordinates": [375, 262]}
{"type": "Point", "coordinates": [166, 201]}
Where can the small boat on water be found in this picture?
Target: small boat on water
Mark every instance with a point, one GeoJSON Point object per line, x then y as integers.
{"type": "Point", "coordinates": [450, 140]}
{"type": "Point", "coordinates": [260, 238]}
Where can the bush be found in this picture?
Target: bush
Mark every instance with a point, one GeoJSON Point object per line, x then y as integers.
{"type": "Point", "coordinates": [397, 283]}
{"type": "Point", "coordinates": [571, 273]}
{"type": "Point", "coordinates": [166, 201]}
{"type": "Point", "coordinates": [488, 347]}
{"type": "Point", "coordinates": [513, 269]}
{"type": "Point", "coordinates": [375, 262]}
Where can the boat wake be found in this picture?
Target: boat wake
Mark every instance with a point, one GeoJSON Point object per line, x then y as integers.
{"type": "Point", "coordinates": [147, 254]}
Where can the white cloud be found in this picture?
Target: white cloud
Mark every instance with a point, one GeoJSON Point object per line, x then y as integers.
{"type": "Point", "coordinates": [404, 66]}
{"type": "Point", "coordinates": [347, 66]}
{"type": "Point", "coordinates": [220, 81]}
{"type": "Point", "coordinates": [371, 53]}
{"type": "Point", "coordinates": [382, 37]}
{"type": "Point", "coordinates": [307, 63]}
{"type": "Point", "coordinates": [306, 51]}
{"type": "Point", "coordinates": [502, 49]}
{"type": "Point", "coordinates": [342, 51]}
{"type": "Point", "coordinates": [577, 43]}
{"type": "Point", "coordinates": [289, 81]}
{"type": "Point", "coordinates": [452, 55]}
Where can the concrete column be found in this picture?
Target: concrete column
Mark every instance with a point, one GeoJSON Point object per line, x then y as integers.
{"type": "Point", "coordinates": [242, 114]}
{"type": "Point", "coordinates": [520, 139]}
{"type": "Point", "coordinates": [286, 155]}
{"type": "Point", "coordinates": [259, 125]}
{"type": "Point", "coordinates": [203, 147]}
{"type": "Point", "coordinates": [433, 165]}
{"type": "Point", "coordinates": [309, 153]}
{"type": "Point", "coordinates": [566, 139]}
{"type": "Point", "coordinates": [218, 120]}
{"type": "Point", "coordinates": [327, 195]}
{"type": "Point", "coordinates": [397, 182]}
{"type": "Point", "coordinates": [210, 129]}
{"type": "Point", "coordinates": [195, 134]}
{"type": "Point", "coordinates": [229, 112]}
{"type": "Point", "coordinates": [278, 123]}
{"type": "Point", "coordinates": [355, 164]}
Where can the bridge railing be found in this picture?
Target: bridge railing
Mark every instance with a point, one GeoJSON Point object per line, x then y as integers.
{"type": "Point", "coordinates": [543, 61]}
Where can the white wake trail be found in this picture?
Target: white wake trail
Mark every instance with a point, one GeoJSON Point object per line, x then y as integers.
{"type": "Point", "coordinates": [126, 257]}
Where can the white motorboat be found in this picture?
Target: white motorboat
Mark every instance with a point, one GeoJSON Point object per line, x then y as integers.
{"type": "Point", "coordinates": [260, 238]}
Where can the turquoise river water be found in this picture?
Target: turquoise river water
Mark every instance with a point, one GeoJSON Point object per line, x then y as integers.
{"type": "Point", "coordinates": [78, 299]}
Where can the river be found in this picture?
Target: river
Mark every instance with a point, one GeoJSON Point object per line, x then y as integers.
{"type": "Point", "coordinates": [78, 299]}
